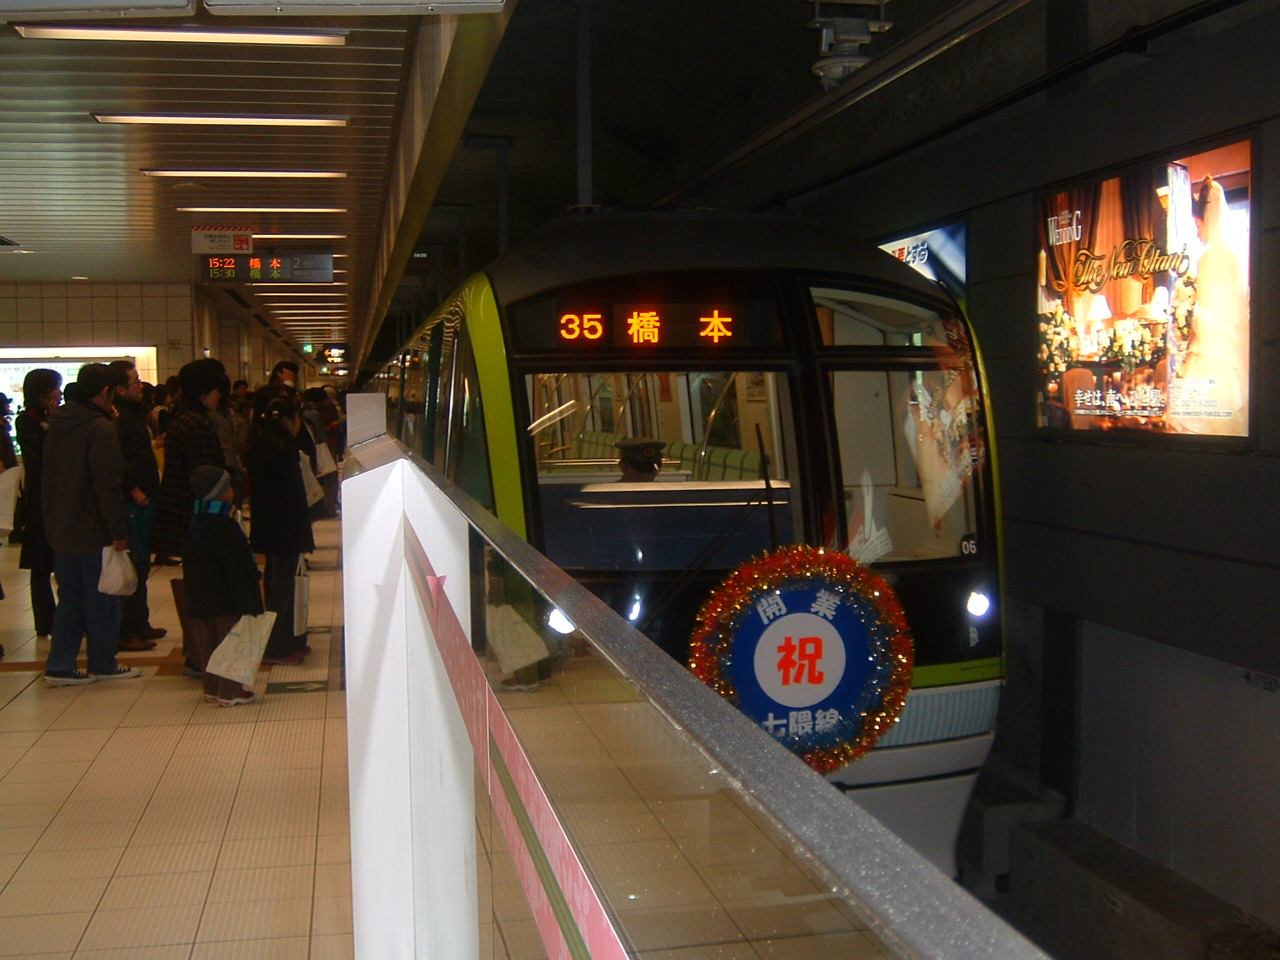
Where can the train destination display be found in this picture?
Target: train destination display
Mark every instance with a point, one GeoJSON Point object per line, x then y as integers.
{"type": "Point", "coordinates": [568, 323]}
{"type": "Point", "coordinates": [255, 268]}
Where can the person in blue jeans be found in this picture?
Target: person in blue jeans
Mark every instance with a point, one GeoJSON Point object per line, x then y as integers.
{"type": "Point", "coordinates": [83, 513]}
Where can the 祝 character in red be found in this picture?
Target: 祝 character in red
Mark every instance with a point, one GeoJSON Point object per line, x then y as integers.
{"type": "Point", "coordinates": [799, 659]}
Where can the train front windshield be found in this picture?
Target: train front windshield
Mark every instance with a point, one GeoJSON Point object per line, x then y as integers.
{"type": "Point", "coordinates": [679, 470]}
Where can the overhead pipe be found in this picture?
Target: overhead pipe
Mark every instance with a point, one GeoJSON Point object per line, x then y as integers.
{"type": "Point", "coordinates": [586, 189]}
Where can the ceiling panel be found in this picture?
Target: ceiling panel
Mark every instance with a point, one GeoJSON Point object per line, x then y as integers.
{"type": "Point", "coordinates": [72, 193]}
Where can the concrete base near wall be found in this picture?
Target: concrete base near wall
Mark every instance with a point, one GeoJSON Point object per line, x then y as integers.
{"type": "Point", "coordinates": [994, 809]}
{"type": "Point", "coordinates": [1082, 896]}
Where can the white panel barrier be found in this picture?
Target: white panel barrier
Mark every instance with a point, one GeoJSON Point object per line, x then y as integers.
{"type": "Point", "coordinates": [412, 803]}
{"type": "Point", "coordinates": [421, 719]}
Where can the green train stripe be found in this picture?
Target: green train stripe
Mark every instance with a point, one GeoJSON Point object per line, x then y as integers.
{"type": "Point", "coordinates": [490, 350]}
{"type": "Point", "coordinates": [550, 885]}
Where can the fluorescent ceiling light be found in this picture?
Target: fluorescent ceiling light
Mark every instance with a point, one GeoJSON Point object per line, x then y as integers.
{"type": "Point", "coordinates": [299, 293]}
{"type": "Point", "coordinates": [215, 119]}
{"type": "Point", "coordinates": [299, 236]}
{"type": "Point", "coordinates": [262, 209]}
{"type": "Point", "coordinates": [333, 283]}
{"type": "Point", "coordinates": [181, 35]}
{"type": "Point", "coordinates": [249, 174]}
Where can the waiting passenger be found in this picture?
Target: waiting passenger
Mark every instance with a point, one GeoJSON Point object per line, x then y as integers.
{"type": "Point", "coordinates": [41, 395]}
{"type": "Point", "coordinates": [222, 579]}
{"type": "Point", "coordinates": [640, 459]}
{"type": "Point", "coordinates": [141, 487]}
{"type": "Point", "coordinates": [191, 441]}
{"type": "Point", "coordinates": [279, 526]}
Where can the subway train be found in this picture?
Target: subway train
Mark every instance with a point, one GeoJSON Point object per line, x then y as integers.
{"type": "Point", "coordinates": [793, 386]}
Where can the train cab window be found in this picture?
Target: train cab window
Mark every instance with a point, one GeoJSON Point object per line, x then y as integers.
{"type": "Point", "coordinates": [848, 318]}
{"type": "Point", "coordinates": [678, 470]}
{"type": "Point", "coordinates": [908, 446]}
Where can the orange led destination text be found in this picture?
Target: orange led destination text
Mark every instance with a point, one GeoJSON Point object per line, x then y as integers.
{"type": "Point", "coordinates": [644, 326]}
{"type": "Point", "coordinates": [715, 326]}
{"type": "Point", "coordinates": [588, 326]}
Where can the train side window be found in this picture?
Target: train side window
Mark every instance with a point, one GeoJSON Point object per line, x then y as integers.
{"type": "Point", "coordinates": [850, 318]}
{"type": "Point", "coordinates": [720, 492]}
{"type": "Point", "coordinates": [460, 428]}
{"type": "Point", "coordinates": [909, 445]}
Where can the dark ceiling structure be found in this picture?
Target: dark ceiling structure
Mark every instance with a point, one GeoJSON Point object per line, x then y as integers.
{"type": "Point", "coordinates": [452, 136]}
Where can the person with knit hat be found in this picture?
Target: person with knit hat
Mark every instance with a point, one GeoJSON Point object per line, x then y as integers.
{"type": "Point", "coordinates": [222, 579]}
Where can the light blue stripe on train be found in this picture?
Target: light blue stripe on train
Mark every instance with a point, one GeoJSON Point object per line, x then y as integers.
{"type": "Point", "coordinates": [945, 713]}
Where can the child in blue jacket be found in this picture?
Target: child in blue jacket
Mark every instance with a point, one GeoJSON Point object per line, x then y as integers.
{"type": "Point", "coordinates": [222, 579]}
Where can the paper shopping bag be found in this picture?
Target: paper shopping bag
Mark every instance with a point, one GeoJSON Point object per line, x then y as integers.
{"type": "Point", "coordinates": [301, 598]}
{"type": "Point", "coordinates": [239, 654]}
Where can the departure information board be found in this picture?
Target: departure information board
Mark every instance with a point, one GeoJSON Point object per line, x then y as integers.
{"type": "Point", "coordinates": [256, 268]}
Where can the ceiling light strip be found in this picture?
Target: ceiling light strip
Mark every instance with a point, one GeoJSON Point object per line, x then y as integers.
{"type": "Point", "coordinates": [182, 35]}
{"type": "Point", "coordinates": [249, 174]}
{"type": "Point", "coordinates": [262, 209]}
{"type": "Point", "coordinates": [213, 119]}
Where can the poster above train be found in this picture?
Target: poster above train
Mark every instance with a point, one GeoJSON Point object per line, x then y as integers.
{"type": "Point", "coordinates": [1144, 299]}
{"type": "Point", "coordinates": [936, 252]}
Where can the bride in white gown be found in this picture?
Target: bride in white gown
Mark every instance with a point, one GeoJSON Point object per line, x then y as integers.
{"type": "Point", "coordinates": [1213, 388]}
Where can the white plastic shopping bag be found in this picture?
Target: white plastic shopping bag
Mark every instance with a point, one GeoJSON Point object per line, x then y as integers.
{"type": "Point", "coordinates": [118, 576]}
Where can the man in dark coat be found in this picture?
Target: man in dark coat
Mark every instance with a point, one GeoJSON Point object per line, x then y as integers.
{"type": "Point", "coordinates": [141, 486]}
{"type": "Point", "coordinates": [83, 513]}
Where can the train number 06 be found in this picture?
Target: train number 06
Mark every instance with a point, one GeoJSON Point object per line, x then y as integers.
{"type": "Point", "coordinates": [587, 326]}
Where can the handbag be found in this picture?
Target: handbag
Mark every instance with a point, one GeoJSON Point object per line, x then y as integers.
{"type": "Point", "coordinates": [239, 654]}
{"type": "Point", "coordinates": [315, 492]}
{"type": "Point", "coordinates": [118, 577]}
{"type": "Point", "coordinates": [301, 598]}
{"type": "Point", "coordinates": [10, 481]}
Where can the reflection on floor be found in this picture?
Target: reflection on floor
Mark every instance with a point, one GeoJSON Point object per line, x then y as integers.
{"type": "Point", "coordinates": [691, 871]}
{"type": "Point", "coordinates": [138, 822]}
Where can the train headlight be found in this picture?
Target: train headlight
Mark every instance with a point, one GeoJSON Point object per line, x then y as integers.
{"type": "Point", "coordinates": [978, 604]}
{"type": "Point", "coordinates": [559, 622]}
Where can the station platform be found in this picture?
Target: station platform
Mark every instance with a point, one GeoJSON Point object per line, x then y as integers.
{"type": "Point", "coordinates": [139, 822]}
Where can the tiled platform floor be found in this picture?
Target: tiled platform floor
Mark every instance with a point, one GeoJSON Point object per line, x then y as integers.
{"type": "Point", "coordinates": [139, 823]}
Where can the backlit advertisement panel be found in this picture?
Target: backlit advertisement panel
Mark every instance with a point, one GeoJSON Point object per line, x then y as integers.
{"type": "Point", "coordinates": [1144, 299]}
{"type": "Point", "coordinates": [938, 254]}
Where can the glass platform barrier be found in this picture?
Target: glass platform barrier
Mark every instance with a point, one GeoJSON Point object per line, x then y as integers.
{"type": "Point", "coordinates": [531, 777]}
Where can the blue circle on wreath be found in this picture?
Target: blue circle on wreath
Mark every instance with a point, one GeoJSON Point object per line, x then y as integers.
{"type": "Point", "coordinates": [805, 664]}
